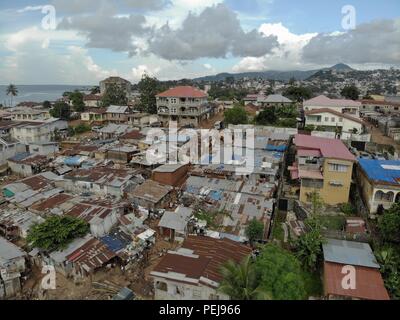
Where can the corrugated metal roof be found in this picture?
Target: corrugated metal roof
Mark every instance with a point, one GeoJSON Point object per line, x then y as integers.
{"type": "Point", "coordinates": [349, 252]}
{"type": "Point", "coordinates": [381, 170]}
{"type": "Point", "coordinates": [369, 283]}
{"type": "Point", "coordinates": [9, 251]}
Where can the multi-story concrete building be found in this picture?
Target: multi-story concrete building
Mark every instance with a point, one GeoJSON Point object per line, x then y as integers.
{"type": "Point", "coordinates": [339, 105]}
{"type": "Point", "coordinates": [322, 165]}
{"type": "Point", "coordinates": [122, 83]}
{"type": "Point", "coordinates": [331, 120]}
{"type": "Point", "coordinates": [37, 131]}
{"type": "Point", "coordinates": [186, 105]}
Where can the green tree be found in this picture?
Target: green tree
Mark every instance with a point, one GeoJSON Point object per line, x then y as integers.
{"type": "Point", "coordinates": [280, 274]}
{"type": "Point", "coordinates": [298, 94]}
{"type": "Point", "coordinates": [56, 135]}
{"type": "Point", "coordinates": [309, 247]}
{"type": "Point", "coordinates": [56, 232]}
{"type": "Point", "coordinates": [254, 230]}
{"type": "Point", "coordinates": [350, 92]}
{"type": "Point", "coordinates": [12, 91]}
{"type": "Point", "coordinates": [389, 224]}
{"type": "Point", "coordinates": [95, 90]}
{"type": "Point", "coordinates": [287, 123]}
{"type": "Point", "coordinates": [61, 110]}
{"type": "Point", "coordinates": [240, 281]}
{"type": "Point", "coordinates": [266, 117]}
{"type": "Point", "coordinates": [309, 127]}
{"type": "Point", "coordinates": [236, 115]}
{"type": "Point", "coordinates": [148, 88]}
{"type": "Point", "coordinates": [81, 128]}
{"type": "Point", "coordinates": [389, 261]}
{"type": "Point", "coordinates": [76, 98]}
{"type": "Point", "coordinates": [47, 104]}
{"type": "Point", "coordinates": [114, 95]}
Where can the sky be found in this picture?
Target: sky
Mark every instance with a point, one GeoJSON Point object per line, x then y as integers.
{"type": "Point", "coordinates": [80, 42]}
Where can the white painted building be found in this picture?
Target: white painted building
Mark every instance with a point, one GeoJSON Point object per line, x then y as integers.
{"type": "Point", "coordinates": [38, 131]}
{"type": "Point", "coordinates": [339, 105]}
{"type": "Point", "coordinates": [331, 119]}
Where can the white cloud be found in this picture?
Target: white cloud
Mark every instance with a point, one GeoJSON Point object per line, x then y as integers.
{"type": "Point", "coordinates": [285, 57]}
{"type": "Point", "coordinates": [33, 60]}
{"type": "Point", "coordinates": [142, 69]}
{"type": "Point", "coordinates": [30, 8]}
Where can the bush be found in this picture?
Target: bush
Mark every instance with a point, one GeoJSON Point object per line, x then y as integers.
{"type": "Point", "coordinates": [280, 274]}
{"type": "Point", "coordinates": [348, 209]}
{"type": "Point", "coordinates": [81, 128]}
{"type": "Point", "coordinates": [287, 123]}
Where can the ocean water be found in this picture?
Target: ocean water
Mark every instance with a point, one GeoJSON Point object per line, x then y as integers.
{"type": "Point", "coordinates": [37, 93]}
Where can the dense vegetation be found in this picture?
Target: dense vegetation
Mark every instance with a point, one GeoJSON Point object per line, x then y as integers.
{"type": "Point", "coordinates": [254, 230]}
{"type": "Point", "coordinates": [275, 274]}
{"type": "Point", "coordinates": [284, 116]}
{"type": "Point", "coordinates": [114, 95]}
{"type": "Point", "coordinates": [350, 92]}
{"type": "Point", "coordinates": [56, 232]}
{"type": "Point", "coordinates": [236, 115]}
{"type": "Point", "coordinates": [61, 110]}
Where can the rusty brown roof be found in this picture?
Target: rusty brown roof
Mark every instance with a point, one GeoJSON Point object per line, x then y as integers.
{"type": "Point", "coordinates": [369, 283]}
{"type": "Point", "coordinates": [51, 202]}
{"type": "Point", "coordinates": [36, 182]}
{"type": "Point", "coordinates": [213, 253]}
{"type": "Point", "coordinates": [92, 255]}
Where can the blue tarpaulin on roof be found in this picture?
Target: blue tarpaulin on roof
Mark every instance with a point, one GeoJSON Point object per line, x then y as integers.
{"type": "Point", "coordinates": [20, 156]}
{"type": "Point", "coordinates": [215, 195]}
{"type": "Point", "coordinates": [114, 243]}
{"type": "Point", "coordinates": [72, 161]}
{"type": "Point", "coordinates": [271, 147]}
{"type": "Point", "coordinates": [376, 170]}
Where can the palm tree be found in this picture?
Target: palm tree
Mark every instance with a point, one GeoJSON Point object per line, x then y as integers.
{"type": "Point", "coordinates": [12, 91]}
{"type": "Point", "coordinates": [240, 281]}
{"type": "Point", "coordinates": [309, 248]}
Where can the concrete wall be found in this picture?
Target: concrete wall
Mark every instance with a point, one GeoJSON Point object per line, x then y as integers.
{"type": "Point", "coordinates": [182, 291]}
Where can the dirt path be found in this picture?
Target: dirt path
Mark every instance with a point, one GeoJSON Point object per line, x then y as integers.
{"type": "Point", "coordinates": [378, 137]}
{"type": "Point", "coordinates": [209, 124]}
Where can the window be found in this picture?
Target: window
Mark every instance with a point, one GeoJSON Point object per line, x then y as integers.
{"type": "Point", "coordinates": [336, 183]}
{"type": "Point", "coordinates": [337, 167]}
{"type": "Point", "coordinates": [333, 119]}
{"type": "Point", "coordinates": [161, 286]}
{"type": "Point", "coordinates": [311, 183]}
{"type": "Point", "coordinates": [340, 119]}
{"type": "Point", "coordinates": [326, 119]}
{"type": "Point", "coordinates": [196, 294]}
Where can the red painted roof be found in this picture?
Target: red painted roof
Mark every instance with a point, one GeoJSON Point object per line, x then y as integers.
{"type": "Point", "coordinates": [308, 153]}
{"type": "Point", "coordinates": [329, 148]}
{"type": "Point", "coordinates": [323, 101]}
{"type": "Point", "coordinates": [183, 92]}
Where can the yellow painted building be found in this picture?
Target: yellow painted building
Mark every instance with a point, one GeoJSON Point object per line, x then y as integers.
{"type": "Point", "coordinates": [324, 166]}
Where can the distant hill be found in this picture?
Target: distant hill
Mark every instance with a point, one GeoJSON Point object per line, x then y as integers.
{"type": "Point", "coordinates": [340, 67]}
{"type": "Point", "coordinates": [274, 75]}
